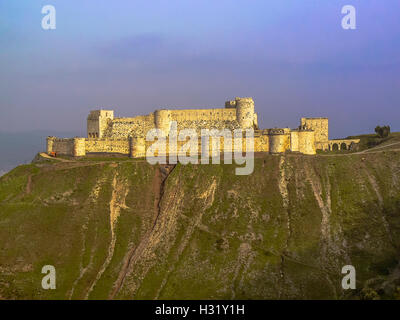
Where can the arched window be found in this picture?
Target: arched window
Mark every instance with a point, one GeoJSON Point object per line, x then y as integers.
{"type": "Point", "coordinates": [335, 147]}
{"type": "Point", "coordinates": [343, 146]}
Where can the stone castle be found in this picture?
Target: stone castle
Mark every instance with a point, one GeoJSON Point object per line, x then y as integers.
{"type": "Point", "coordinates": [106, 134]}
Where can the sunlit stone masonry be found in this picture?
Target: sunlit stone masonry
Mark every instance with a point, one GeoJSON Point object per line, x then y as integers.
{"type": "Point", "coordinates": [107, 134]}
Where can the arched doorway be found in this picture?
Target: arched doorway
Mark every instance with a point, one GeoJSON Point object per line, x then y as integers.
{"type": "Point", "coordinates": [343, 146]}
{"type": "Point", "coordinates": [335, 147]}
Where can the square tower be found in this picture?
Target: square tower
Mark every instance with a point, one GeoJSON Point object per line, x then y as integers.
{"type": "Point", "coordinates": [98, 121]}
{"type": "Point", "coordinates": [321, 128]}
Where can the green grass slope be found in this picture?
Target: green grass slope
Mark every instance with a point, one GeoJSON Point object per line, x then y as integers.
{"type": "Point", "coordinates": [373, 140]}
{"type": "Point", "coordinates": [124, 229]}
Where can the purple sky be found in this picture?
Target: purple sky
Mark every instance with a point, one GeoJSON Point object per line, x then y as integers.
{"type": "Point", "coordinates": [292, 57]}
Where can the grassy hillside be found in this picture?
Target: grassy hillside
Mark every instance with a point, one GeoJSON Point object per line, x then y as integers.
{"type": "Point", "coordinates": [123, 229]}
{"type": "Point", "coordinates": [373, 140]}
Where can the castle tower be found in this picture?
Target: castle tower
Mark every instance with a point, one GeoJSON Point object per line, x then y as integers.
{"type": "Point", "coordinates": [137, 147]}
{"type": "Point", "coordinates": [98, 121]}
{"type": "Point", "coordinates": [79, 147]}
{"type": "Point", "coordinates": [162, 119]}
{"type": "Point", "coordinates": [306, 141]}
{"type": "Point", "coordinates": [279, 140]}
{"type": "Point", "coordinates": [245, 112]}
{"type": "Point", "coordinates": [50, 143]}
{"type": "Point", "coordinates": [321, 128]}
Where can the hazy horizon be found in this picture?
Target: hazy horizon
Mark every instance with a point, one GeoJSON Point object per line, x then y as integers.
{"type": "Point", "coordinates": [292, 57]}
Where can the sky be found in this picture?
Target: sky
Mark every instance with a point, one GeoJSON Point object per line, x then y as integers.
{"type": "Point", "coordinates": [293, 57]}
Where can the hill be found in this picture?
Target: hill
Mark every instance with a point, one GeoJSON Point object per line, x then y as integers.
{"type": "Point", "coordinates": [371, 141]}
{"type": "Point", "coordinates": [124, 229]}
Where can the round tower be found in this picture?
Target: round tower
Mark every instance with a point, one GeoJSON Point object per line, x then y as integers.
{"type": "Point", "coordinates": [279, 140]}
{"type": "Point", "coordinates": [137, 147]}
{"type": "Point", "coordinates": [245, 112]}
{"type": "Point", "coordinates": [162, 119]}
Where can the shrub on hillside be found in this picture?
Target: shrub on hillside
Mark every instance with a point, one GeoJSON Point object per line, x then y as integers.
{"type": "Point", "coordinates": [382, 132]}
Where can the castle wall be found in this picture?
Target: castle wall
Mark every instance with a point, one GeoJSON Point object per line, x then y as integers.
{"type": "Point", "coordinates": [272, 140]}
{"type": "Point", "coordinates": [197, 119]}
{"type": "Point", "coordinates": [137, 147]}
{"type": "Point", "coordinates": [261, 141]}
{"type": "Point", "coordinates": [107, 145]}
{"type": "Point", "coordinates": [113, 135]}
{"type": "Point", "coordinates": [342, 144]}
{"type": "Point", "coordinates": [322, 146]}
{"type": "Point", "coordinates": [260, 145]}
{"type": "Point", "coordinates": [79, 147]}
{"type": "Point", "coordinates": [203, 114]}
{"type": "Point", "coordinates": [101, 123]}
{"type": "Point", "coordinates": [294, 140]}
{"type": "Point", "coordinates": [122, 128]}
{"type": "Point", "coordinates": [208, 124]}
{"type": "Point", "coordinates": [279, 140]}
{"type": "Point", "coordinates": [62, 146]}
{"type": "Point", "coordinates": [306, 142]}
{"type": "Point", "coordinates": [321, 128]}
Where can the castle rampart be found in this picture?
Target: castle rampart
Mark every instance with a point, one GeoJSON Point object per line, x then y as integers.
{"type": "Point", "coordinates": [107, 134]}
{"type": "Point", "coordinates": [107, 145]}
{"type": "Point", "coordinates": [279, 140]}
{"type": "Point", "coordinates": [67, 146]}
{"type": "Point", "coordinates": [203, 114]}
